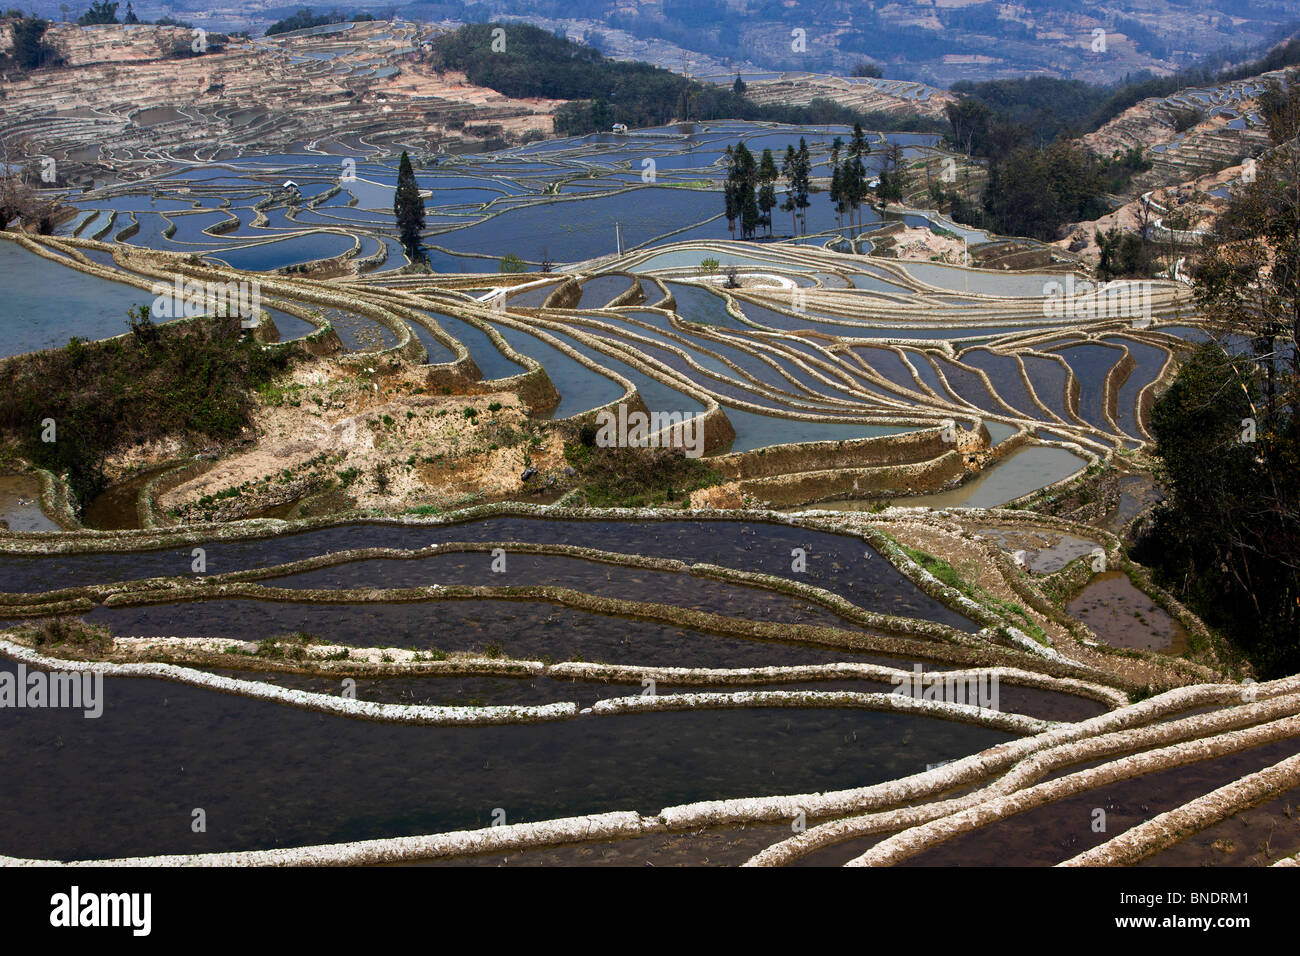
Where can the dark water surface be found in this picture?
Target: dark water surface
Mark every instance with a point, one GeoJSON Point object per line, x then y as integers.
{"type": "Point", "coordinates": [843, 564]}
{"type": "Point", "coordinates": [269, 775]}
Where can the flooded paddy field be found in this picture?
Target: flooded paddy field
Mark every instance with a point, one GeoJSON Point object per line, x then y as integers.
{"type": "Point", "coordinates": [781, 359]}
{"type": "Point", "coordinates": [347, 635]}
{"type": "Point", "coordinates": [20, 505]}
{"type": "Point", "coordinates": [241, 760]}
{"type": "Point", "coordinates": [843, 564]}
{"type": "Point", "coordinates": [1061, 830]}
{"type": "Point", "coordinates": [715, 677]}
{"type": "Point", "coordinates": [1123, 616]}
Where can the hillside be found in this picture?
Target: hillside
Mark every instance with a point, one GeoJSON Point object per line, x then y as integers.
{"type": "Point", "coordinates": [934, 42]}
{"type": "Point", "coordinates": [121, 103]}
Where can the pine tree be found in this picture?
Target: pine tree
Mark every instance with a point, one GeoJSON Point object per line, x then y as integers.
{"type": "Point", "coordinates": [100, 12]}
{"type": "Point", "coordinates": [767, 190]}
{"type": "Point", "coordinates": [855, 179]}
{"type": "Point", "coordinates": [803, 182]}
{"type": "Point", "coordinates": [745, 180]}
{"type": "Point", "coordinates": [30, 50]}
{"type": "Point", "coordinates": [730, 193]}
{"type": "Point", "coordinates": [749, 214]}
{"type": "Point", "coordinates": [408, 208]}
{"type": "Point", "coordinates": [790, 173]}
{"type": "Point", "coordinates": [837, 182]}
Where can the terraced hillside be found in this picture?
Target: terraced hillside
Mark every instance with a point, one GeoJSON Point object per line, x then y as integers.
{"type": "Point", "coordinates": [855, 591]}
{"type": "Point", "coordinates": [866, 705]}
{"type": "Point", "coordinates": [124, 105]}
{"type": "Point", "coordinates": [1191, 132]}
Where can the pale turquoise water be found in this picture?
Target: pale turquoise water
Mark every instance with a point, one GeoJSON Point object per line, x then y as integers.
{"type": "Point", "coordinates": [45, 304]}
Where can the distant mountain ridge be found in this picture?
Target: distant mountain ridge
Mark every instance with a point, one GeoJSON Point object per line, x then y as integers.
{"type": "Point", "coordinates": [933, 41]}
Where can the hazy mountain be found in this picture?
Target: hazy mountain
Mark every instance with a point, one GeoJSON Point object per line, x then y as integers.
{"type": "Point", "coordinates": [937, 41]}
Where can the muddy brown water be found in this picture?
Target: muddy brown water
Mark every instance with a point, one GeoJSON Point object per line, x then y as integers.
{"type": "Point", "coordinates": [1122, 616]}
{"type": "Point", "coordinates": [1137, 492]}
{"type": "Point", "coordinates": [1025, 470]}
{"type": "Point", "coordinates": [117, 507]}
{"type": "Point", "coordinates": [20, 505]}
{"type": "Point", "coordinates": [1045, 551]}
{"type": "Point", "coordinates": [269, 775]}
{"type": "Point", "coordinates": [1255, 837]}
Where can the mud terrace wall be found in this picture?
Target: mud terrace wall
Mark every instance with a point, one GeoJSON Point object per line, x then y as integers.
{"type": "Point", "coordinates": [1049, 748]}
{"type": "Point", "coordinates": [811, 340]}
{"type": "Point", "coordinates": [1129, 738]}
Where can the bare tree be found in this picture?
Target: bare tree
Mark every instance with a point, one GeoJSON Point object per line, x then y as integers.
{"type": "Point", "coordinates": [18, 200]}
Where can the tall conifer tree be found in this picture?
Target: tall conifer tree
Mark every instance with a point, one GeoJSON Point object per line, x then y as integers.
{"type": "Point", "coordinates": [408, 208]}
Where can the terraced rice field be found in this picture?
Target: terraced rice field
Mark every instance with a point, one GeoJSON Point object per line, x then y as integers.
{"type": "Point", "coordinates": [860, 683]}
{"type": "Point", "coordinates": [495, 671]}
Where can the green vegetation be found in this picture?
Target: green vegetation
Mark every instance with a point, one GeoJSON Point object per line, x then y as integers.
{"type": "Point", "coordinates": [796, 169]}
{"type": "Point", "coordinates": [408, 209]}
{"type": "Point", "coordinates": [305, 19]}
{"type": "Point", "coordinates": [1123, 255]}
{"type": "Point", "coordinates": [749, 194]}
{"type": "Point", "coordinates": [1039, 109]}
{"type": "Point", "coordinates": [191, 380]}
{"type": "Point", "coordinates": [1039, 178]}
{"type": "Point", "coordinates": [1033, 192]}
{"type": "Point", "coordinates": [100, 12]}
{"type": "Point", "coordinates": [604, 92]}
{"type": "Point", "coordinates": [1010, 611]}
{"type": "Point", "coordinates": [739, 192]}
{"type": "Point", "coordinates": [1227, 539]}
{"type": "Point", "coordinates": [289, 646]}
{"type": "Point", "coordinates": [67, 632]}
{"type": "Point", "coordinates": [849, 178]}
{"type": "Point", "coordinates": [634, 477]}
{"type": "Point", "coordinates": [30, 50]}
{"type": "Point", "coordinates": [1135, 90]}
{"type": "Point", "coordinates": [1043, 109]}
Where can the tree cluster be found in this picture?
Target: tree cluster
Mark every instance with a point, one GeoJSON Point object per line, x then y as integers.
{"type": "Point", "coordinates": [749, 193]}
{"type": "Point", "coordinates": [30, 50]}
{"type": "Point", "coordinates": [849, 183]}
{"type": "Point", "coordinates": [1227, 539]}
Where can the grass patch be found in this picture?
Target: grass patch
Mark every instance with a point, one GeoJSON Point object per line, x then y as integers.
{"type": "Point", "coordinates": [1010, 611]}
{"type": "Point", "coordinates": [635, 477]}
{"type": "Point", "coordinates": [67, 409]}
{"type": "Point", "coordinates": [71, 632]}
